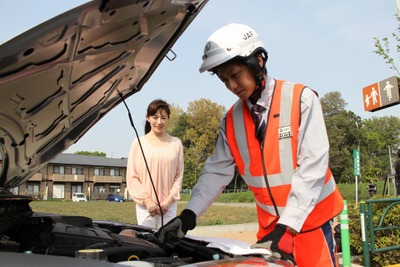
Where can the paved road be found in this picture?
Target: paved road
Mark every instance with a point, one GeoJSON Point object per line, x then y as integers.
{"type": "Point", "coordinates": [244, 232]}
{"type": "Point", "coordinates": [234, 204]}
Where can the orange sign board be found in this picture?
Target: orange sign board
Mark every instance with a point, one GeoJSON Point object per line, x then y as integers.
{"type": "Point", "coordinates": [371, 96]}
{"type": "Point", "coordinates": [381, 94]}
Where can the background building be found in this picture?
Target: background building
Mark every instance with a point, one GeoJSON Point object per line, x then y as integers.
{"type": "Point", "coordinates": [95, 176]}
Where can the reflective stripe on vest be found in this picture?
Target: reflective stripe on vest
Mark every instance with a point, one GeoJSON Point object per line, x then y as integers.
{"type": "Point", "coordinates": [281, 137]}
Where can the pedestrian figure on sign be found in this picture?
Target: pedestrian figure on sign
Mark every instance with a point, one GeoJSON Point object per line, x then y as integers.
{"type": "Point", "coordinates": [388, 89]}
{"type": "Point", "coordinates": [367, 97]}
{"type": "Point", "coordinates": [374, 95]}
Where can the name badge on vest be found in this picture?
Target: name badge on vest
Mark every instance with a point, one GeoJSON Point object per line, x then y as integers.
{"type": "Point", "coordinates": [284, 132]}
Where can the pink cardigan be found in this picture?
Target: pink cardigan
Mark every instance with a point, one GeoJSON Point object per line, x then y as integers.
{"type": "Point", "coordinates": [166, 167]}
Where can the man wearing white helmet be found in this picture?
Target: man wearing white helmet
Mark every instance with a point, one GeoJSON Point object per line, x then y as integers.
{"type": "Point", "coordinates": [275, 137]}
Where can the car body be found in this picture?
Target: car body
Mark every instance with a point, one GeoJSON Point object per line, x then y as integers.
{"type": "Point", "coordinates": [115, 198]}
{"type": "Point", "coordinates": [57, 80]}
{"type": "Point", "coordinates": [79, 197]}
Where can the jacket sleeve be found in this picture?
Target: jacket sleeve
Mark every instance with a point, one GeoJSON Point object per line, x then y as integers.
{"type": "Point", "coordinates": [177, 184]}
{"type": "Point", "coordinates": [136, 188]}
{"type": "Point", "coordinates": [217, 173]}
{"type": "Point", "coordinates": [312, 158]}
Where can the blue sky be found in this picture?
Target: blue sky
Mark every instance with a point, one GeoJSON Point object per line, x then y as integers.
{"type": "Point", "coordinates": [327, 45]}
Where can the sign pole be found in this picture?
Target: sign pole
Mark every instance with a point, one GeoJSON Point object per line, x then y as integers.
{"type": "Point", "coordinates": [356, 158]}
{"type": "Point", "coordinates": [356, 191]}
{"type": "Point", "coordinates": [345, 234]}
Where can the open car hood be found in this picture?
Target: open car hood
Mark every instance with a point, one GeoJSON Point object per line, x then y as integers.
{"type": "Point", "coordinates": [59, 78]}
{"type": "Point", "coordinates": [56, 81]}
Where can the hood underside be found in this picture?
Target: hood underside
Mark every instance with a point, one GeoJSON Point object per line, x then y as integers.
{"type": "Point", "coordinates": [61, 77]}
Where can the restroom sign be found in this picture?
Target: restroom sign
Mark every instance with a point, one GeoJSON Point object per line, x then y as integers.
{"type": "Point", "coordinates": [381, 94]}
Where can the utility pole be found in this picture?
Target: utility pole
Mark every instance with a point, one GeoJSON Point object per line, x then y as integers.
{"type": "Point", "coordinates": [398, 7]}
{"type": "Point", "coordinates": [392, 173]}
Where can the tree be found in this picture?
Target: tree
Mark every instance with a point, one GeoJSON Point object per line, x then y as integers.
{"type": "Point", "coordinates": [198, 130]}
{"type": "Point", "coordinates": [379, 135]}
{"type": "Point", "coordinates": [383, 48]}
{"type": "Point", "coordinates": [176, 112]}
{"type": "Point", "coordinates": [332, 104]}
{"type": "Point", "coordinates": [180, 128]}
{"type": "Point", "coordinates": [344, 137]}
{"type": "Point", "coordinates": [91, 153]}
{"type": "Point", "coordinates": [372, 137]}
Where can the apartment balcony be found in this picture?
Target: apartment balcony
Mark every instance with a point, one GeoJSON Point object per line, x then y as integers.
{"type": "Point", "coordinates": [107, 179]}
{"type": "Point", "coordinates": [68, 178]}
{"type": "Point", "coordinates": [36, 177]}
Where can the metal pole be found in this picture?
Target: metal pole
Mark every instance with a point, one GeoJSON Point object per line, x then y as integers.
{"type": "Point", "coordinates": [356, 190]}
{"type": "Point", "coordinates": [390, 160]}
{"type": "Point", "coordinates": [344, 230]}
{"type": "Point", "coordinates": [364, 238]}
{"type": "Point", "coordinates": [398, 7]}
{"type": "Point", "coordinates": [392, 173]}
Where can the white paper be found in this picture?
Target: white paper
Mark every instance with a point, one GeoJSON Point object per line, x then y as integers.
{"type": "Point", "coordinates": [232, 246]}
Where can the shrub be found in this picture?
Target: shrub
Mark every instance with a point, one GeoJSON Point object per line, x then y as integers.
{"type": "Point", "coordinates": [383, 239]}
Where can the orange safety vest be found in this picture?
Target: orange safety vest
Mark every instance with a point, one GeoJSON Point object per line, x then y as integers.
{"type": "Point", "coordinates": [271, 191]}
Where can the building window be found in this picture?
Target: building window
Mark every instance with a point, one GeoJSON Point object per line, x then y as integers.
{"type": "Point", "coordinates": [15, 190]}
{"type": "Point", "coordinates": [59, 170]}
{"type": "Point", "coordinates": [76, 189]}
{"type": "Point", "coordinates": [99, 189]}
{"type": "Point", "coordinates": [99, 171]}
{"type": "Point", "coordinates": [115, 189]}
{"type": "Point", "coordinates": [77, 170]}
{"type": "Point", "coordinates": [32, 189]}
{"type": "Point", "coordinates": [58, 191]}
{"type": "Point", "coordinates": [99, 192]}
{"type": "Point", "coordinates": [115, 172]}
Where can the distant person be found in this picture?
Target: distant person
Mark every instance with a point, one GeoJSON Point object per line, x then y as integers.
{"type": "Point", "coordinates": [275, 136]}
{"type": "Point", "coordinates": [397, 172]}
{"type": "Point", "coordinates": [163, 154]}
{"type": "Point", "coordinates": [371, 188]}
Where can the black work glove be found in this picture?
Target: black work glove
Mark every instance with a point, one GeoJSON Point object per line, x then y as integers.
{"type": "Point", "coordinates": [279, 242]}
{"type": "Point", "coordinates": [171, 233]}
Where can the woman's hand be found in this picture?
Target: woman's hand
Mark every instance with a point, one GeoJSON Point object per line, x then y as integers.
{"type": "Point", "coordinates": [152, 207]}
{"type": "Point", "coordinates": [166, 204]}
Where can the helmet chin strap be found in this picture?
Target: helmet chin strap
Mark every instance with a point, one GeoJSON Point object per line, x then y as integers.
{"type": "Point", "coordinates": [259, 72]}
{"type": "Point", "coordinates": [257, 93]}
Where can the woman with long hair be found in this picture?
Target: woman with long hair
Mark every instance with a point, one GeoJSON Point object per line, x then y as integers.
{"type": "Point", "coordinates": [155, 169]}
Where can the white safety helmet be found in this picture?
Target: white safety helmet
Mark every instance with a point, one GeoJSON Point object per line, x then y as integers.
{"type": "Point", "coordinates": [231, 41]}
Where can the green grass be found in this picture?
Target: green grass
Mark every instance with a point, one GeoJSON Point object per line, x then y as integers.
{"type": "Point", "coordinates": [125, 211]}
{"type": "Point", "coordinates": [216, 215]}
{"type": "Point", "coordinates": [242, 197]}
{"type": "Point", "coordinates": [349, 190]}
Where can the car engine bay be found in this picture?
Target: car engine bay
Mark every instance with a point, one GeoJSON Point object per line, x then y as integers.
{"type": "Point", "coordinates": [23, 232]}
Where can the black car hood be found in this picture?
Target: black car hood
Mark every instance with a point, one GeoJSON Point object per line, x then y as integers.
{"type": "Point", "coordinates": [59, 78]}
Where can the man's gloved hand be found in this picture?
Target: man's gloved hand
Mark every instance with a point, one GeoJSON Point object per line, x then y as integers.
{"type": "Point", "coordinates": [279, 242]}
{"type": "Point", "coordinates": [171, 233]}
